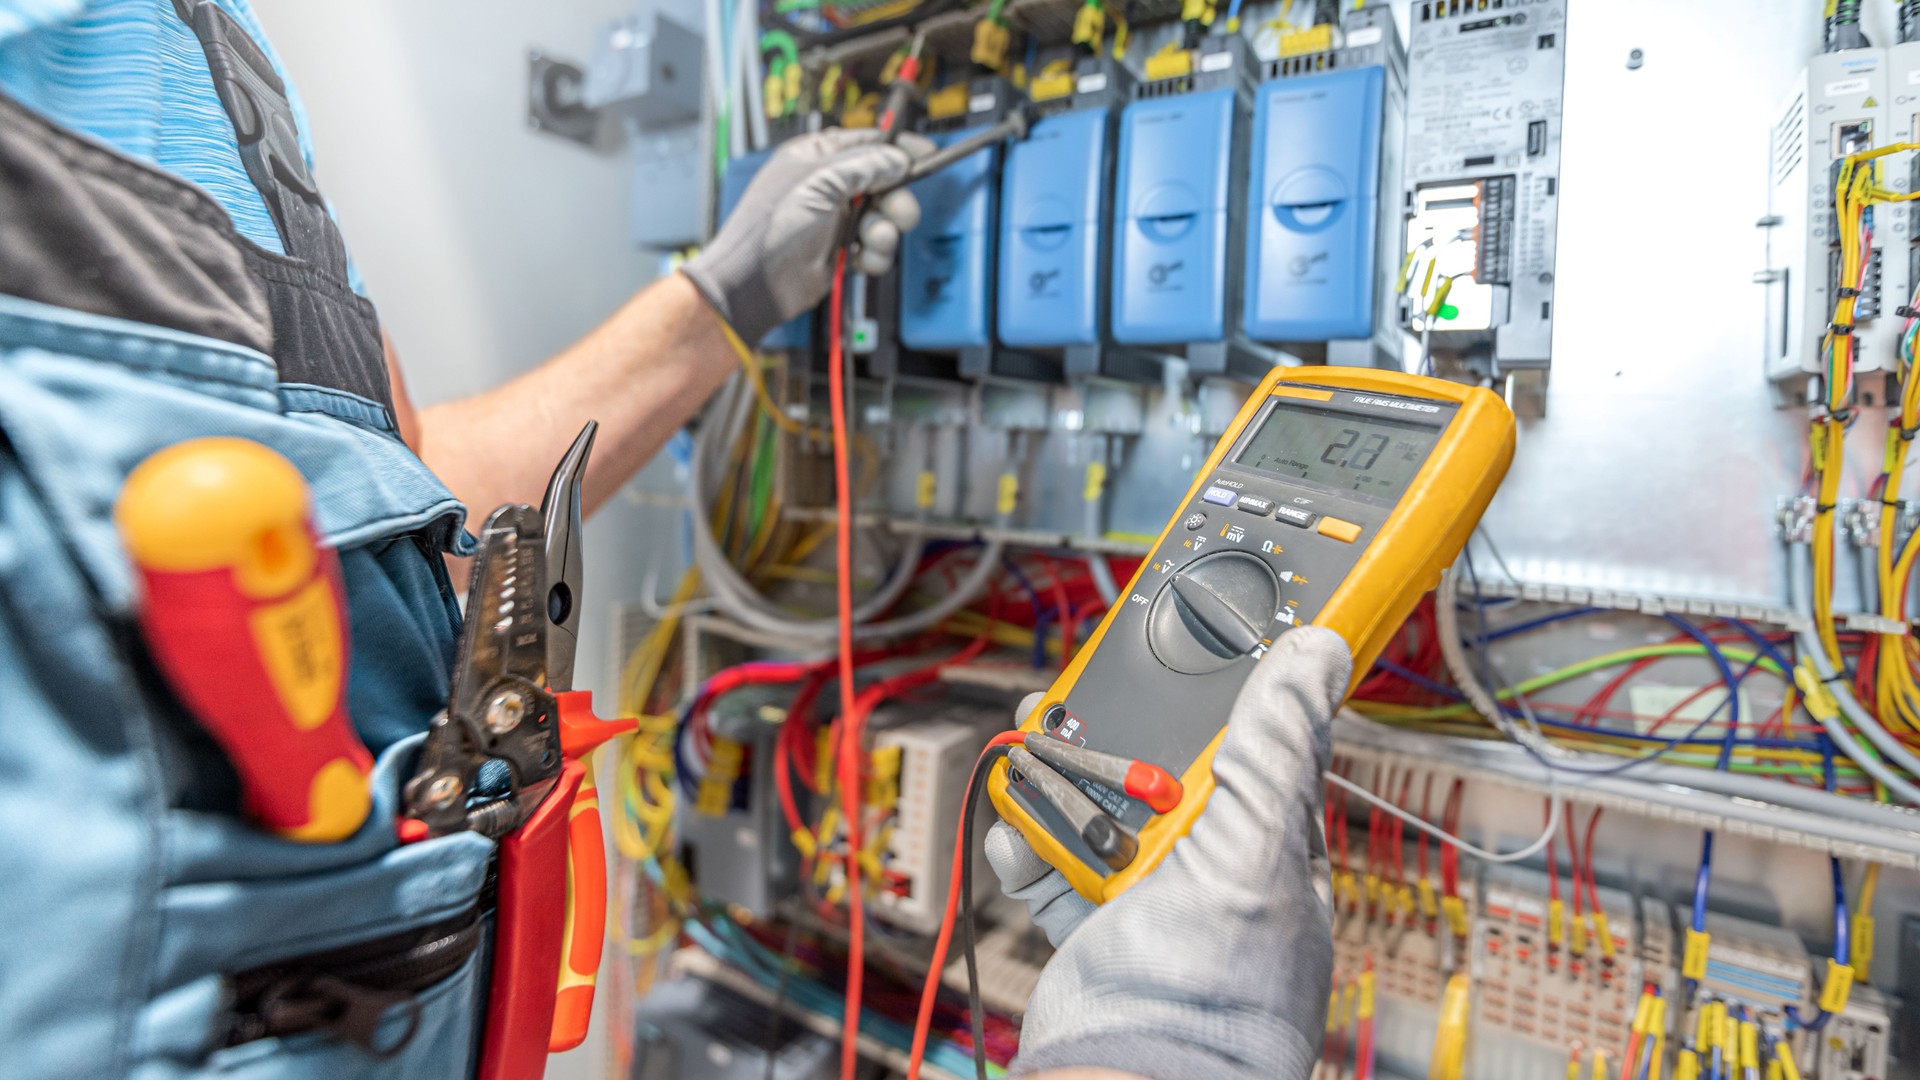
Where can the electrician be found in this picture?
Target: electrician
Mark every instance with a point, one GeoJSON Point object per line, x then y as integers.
{"type": "Point", "coordinates": [165, 238]}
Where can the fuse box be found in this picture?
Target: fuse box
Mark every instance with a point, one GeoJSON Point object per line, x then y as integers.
{"type": "Point", "coordinates": [796, 334]}
{"type": "Point", "coordinates": [1483, 174]}
{"type": "Point", "coordinates": [1322, 196]}
{"type": "Point", "coordinates": [1179, 196]}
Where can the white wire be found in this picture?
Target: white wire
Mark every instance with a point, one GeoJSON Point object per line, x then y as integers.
{"type": "Point", "coordinates": [748, 22]}
{"type": "Point", "coordinates": [1554, 808]}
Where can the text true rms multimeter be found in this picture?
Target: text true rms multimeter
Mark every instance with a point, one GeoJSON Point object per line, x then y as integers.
{"type": "Point", "coordinates": [1335, 499]}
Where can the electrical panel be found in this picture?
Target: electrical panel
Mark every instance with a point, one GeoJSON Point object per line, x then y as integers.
{"type": "Point", "coordinates": [1482, 201]}
{"type": "Point", "coordinates": [1179, 199]}
{"type": "Point", "coordinates": [1074, 322]}
{"type": "Point", "coordinates": [1838, 106]}
{"type": "Point", "coordinates": [1323, 213]}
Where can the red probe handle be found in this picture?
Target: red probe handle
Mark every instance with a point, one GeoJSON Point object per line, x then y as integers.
{"type": "Point", "coordinates": [244, 613]}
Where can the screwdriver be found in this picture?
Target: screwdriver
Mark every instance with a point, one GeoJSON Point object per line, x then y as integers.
{"type": "Point", "coordinates": [243, 611]}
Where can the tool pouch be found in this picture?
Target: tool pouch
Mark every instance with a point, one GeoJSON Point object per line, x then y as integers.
{"type": "Point", "coordinates": [151, 930]}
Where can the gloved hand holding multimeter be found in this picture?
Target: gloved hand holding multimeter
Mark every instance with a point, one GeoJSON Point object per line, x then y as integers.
{"type": "Point", "coordinates": [1334, 501]}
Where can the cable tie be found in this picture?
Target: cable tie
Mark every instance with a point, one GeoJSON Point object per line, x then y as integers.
{"type": "Point", "coordinates": [1838, 676]}
{"type": "Point", "coordinates": [1906, 311]}
{"type": "Point", "coordinates": [1905, 433]}
{"type": "Point", "coordinates": [1839, 329]}
{"type": "Point", "coordinates": [1845, 293]}
{"type": "Point", "coordinates": [1823, 508]}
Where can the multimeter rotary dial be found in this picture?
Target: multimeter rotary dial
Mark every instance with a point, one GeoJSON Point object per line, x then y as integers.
{"type": "Point", "coordinates": [1212, 612]}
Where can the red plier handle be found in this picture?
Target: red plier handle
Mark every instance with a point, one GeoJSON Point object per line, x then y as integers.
{"type": "Point", "coordinates": [586, 927]}
{"type": "Point", "coordinates": [547, 957]}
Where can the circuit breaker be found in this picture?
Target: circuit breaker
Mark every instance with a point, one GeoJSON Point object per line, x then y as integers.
{"type": "Point", "coordinates": [937, 747]}
{"type": "Point", "coordinates": [947, 263]}
{"type": "Point", "coordinates": [1057, 199]}
{"type": "Point", "coordinates": [1838, 105]}
{"type": "Point", "coordinates": [1482, 200]}
{"type": "Point", "coordinates": [1535, 998]}
{"type": "Point", "coordinates": [1179, 197]}
{"type": "Point", "coordinates": [1322, 209]}
{"type": "Point", "coordinates": [796, 334]}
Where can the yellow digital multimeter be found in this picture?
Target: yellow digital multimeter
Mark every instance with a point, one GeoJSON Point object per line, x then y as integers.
{"type": "Point", "coordinates": [1335, 499]}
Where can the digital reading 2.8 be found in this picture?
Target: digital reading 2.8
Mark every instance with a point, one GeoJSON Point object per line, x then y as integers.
{"type": "Point", "coordinates": [1364, 454]}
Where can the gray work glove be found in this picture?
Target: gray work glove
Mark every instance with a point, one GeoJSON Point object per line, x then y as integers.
{"type": "Point", "coordinates": [773, 258]}
{"type": "Point", "coordinates": [1217, 964]}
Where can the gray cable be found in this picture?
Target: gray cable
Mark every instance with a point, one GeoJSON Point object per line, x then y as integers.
{"type": "Point", "coordinates": [1103, 583]}
{"type": "Point", "coordinates": [735, 593]}
{"type": "Point", "coordinates": [738, 599]}
{"type": "Point", "coordinates": [1800, 591]}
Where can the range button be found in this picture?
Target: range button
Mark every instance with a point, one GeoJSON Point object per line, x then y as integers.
{"type": "Point", "coordinates": [1293, 515]}
{"type": "Point", "coordinates": [1254, 504]}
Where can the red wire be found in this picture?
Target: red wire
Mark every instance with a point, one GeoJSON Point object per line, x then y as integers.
{"type": "Point", "coordinates": [849, 749]}
{"type": "Point", "coordinates": [1426, 815]}
{"type": "Point", "coordinates": [1593, 891]}
{"type": "Point", "coordinates": [1450, 853]}
{"type": "Point", "coordinates": [1573, 856]}
{"type": "Point", "coordinates": [1553, 866]}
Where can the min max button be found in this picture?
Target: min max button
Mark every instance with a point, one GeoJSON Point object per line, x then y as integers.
{"type": "Point", "coordinates": [1219, 496]}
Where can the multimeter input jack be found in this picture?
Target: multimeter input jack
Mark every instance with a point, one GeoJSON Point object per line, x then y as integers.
{"type": "Point", "coordinates": [1112, 844]}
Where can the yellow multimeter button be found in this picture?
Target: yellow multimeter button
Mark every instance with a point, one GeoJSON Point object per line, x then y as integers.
{"type": "Point", "coordinates": [1344, 531]}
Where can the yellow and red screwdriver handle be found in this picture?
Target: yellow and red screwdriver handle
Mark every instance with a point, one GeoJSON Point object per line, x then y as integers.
{"type": "Point", "coordinates": [244, 613]}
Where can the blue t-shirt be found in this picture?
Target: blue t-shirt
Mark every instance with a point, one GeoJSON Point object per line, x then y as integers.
{"type": "Point", "coordinates": [131, 74]}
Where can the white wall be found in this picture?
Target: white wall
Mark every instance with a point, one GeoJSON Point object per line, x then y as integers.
{"type": "Point", "coordinates": [487, 246]}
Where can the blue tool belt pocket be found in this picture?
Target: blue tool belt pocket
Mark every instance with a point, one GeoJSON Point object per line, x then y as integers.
{"type": "Point", "coordinates": [294, 960]}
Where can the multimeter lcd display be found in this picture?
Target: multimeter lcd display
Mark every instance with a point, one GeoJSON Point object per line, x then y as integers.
{"type": "Point", "coordinates": [1365, 454]}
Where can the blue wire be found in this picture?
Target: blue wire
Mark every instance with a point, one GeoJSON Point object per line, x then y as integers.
{"type": "Point", "coordinates": [680, 769]}
{"type": "Point", "coordinates": [1233, 12]}
{"type": "Point", "coordinates": [1042, 616]}
{"type": "Point", "coordinates": [1418, 679]}
{"type": "Point", "coordinates": [1701, 880]}
{"type": "Point", "coordinates": [1842, 945]}
{"type": "Point", "coordinates": [1535, 624]}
